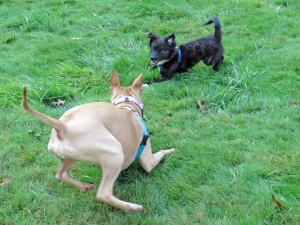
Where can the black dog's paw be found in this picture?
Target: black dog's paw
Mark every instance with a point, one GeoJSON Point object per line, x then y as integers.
{"type": "Point", "coordinates": [160, 79]}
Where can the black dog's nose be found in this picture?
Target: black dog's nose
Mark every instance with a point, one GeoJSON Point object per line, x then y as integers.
{"type": "Point", "coordinates": [153, 56]}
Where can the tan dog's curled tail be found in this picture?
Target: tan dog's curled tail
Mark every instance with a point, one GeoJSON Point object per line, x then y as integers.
{"type": "Point", "coordinates": [55, 123]}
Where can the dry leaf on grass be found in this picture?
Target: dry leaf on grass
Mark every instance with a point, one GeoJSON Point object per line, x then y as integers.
{"type": "Point", "coordinates": [294, 104]}
{"type": "Point", "coordinates": [277, 203]}
{"type": "Point", "coordinates": [201, 106]}
{"type": "Point", "coordinates": [164, 121]}
{"type": "Point", "coordinates": [5, 182]}
{"type": "Point", "coordinates": [58, 102]}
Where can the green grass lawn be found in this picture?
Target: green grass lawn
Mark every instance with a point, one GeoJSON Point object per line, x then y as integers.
{"type": "Point", "coordinates": [229, 161]}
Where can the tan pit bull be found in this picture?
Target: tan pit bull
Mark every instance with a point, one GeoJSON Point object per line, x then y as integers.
{"type": "Point", "coordinates": [105, 134]}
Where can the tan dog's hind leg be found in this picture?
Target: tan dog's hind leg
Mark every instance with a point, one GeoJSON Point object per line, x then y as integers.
{"type": "Point", "coordinates": [110, 171]}
{"type": "Point", "coordinates": [64, 175]}
{"type": "Point", "coordinates": [148, 160]}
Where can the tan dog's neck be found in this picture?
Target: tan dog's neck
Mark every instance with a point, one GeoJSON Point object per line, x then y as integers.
{"type": "Point", "coordinates": [134, 91]}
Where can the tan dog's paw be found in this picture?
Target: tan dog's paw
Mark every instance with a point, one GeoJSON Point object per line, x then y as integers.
{"type": "Point", "coordinates": [169, 151]}
{"type": "Point", "coordinates": [87, 187]}
{"type": "Point", "coordinates": [133, 208]}
{"type": "Point", "coordinates": [172, 149]}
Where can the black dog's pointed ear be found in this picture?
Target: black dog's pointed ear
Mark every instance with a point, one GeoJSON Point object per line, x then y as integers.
{"type": "Point", "coordinates": [152, 37]}
{"type": "Point", "coordinates": [170, 39]}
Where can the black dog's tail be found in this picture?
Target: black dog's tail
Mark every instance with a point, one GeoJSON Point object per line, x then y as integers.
{"type": "Point", "coordinates": [216, 22]}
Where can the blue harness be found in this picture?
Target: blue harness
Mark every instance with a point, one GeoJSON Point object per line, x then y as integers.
{"type": "Point", "coordinates": [144, 141]}
{"type": "Point", "coordinates": [179, 54]}
{"type": "Point", "coordinates": [145, 136]}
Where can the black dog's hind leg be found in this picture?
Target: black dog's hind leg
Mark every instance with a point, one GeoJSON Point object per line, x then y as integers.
{"type": "Point", "coordinates": [208, 60]}
{"type": "Point", "coordinates": [218, 64]}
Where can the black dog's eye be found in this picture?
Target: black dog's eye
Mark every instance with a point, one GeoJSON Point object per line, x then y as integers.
{"type": "Point", "coordinates": [157, 49]}
{"type": "Point", "coordinates": [162, 50]}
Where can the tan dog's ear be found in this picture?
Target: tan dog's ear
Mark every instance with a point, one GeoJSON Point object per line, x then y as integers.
{"type": "Point", "coordinates": [115, 82]}
{"type": "Point", "coordinates": [137, 84]}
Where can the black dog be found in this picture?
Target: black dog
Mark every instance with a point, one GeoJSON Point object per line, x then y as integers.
{"type": "Point", "coordinates": [171, 59]}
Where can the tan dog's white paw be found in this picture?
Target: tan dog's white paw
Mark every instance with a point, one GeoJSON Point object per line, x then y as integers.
{"type": "Point", "coordinates": [134, 208]}
{"type": "Point", "coordinates": [87, 187]}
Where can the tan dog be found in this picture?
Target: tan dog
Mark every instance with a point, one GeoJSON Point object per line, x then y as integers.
{"type": "Point", "coordinates": [103, 134]}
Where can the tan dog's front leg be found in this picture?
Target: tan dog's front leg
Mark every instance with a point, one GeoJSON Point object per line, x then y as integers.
{"type": "Point", "coordinates": [148, 160]}
{"type": "Point", "coordinates": [64, 175]}
{"type": "Point", "coordinates": [110, 171]}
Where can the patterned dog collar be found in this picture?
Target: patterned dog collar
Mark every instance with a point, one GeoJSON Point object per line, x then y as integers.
{"type": "Point", "coordinates": [128, 99]}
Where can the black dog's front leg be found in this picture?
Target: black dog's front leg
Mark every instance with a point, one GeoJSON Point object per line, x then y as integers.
{"type": "Point", "coordinates": [166, 73]}
{"type": "Point", "coordinates": [160, 79]}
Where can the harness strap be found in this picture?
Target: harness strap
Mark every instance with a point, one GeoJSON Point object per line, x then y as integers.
{"type": "Point", "coordinates": [144, 141]}
{"type": "Point", "coordinates": [179, 54]}
{"type": "Point", "coordinates": [145, 134]}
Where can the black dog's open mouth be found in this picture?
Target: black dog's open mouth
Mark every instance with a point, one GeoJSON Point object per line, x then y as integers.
{"type": "Point", "coordinates": [154, 63]}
